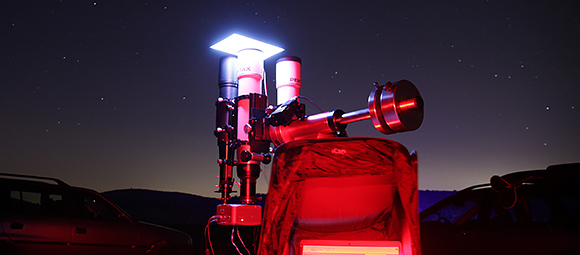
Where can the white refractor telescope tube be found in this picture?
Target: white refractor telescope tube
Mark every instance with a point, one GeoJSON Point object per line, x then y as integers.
{"type": "Point", "coordinates": [287, 78]}
{"type": "Point", "coordinates": [250, 70]}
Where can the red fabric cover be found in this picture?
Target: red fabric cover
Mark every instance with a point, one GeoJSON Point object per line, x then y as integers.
{"type": "Point", "coordinates": [367, 185]}
{"type": "Point", "coordinates": [322, 208]}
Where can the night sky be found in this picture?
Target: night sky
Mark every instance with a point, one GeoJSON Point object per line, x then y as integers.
{"type": "Point", "coordinates": [110, 94]}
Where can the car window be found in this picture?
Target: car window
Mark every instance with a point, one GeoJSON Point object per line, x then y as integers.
{"type": "Point", "coordinates": [46, 203]}
{"type": "Point", "coordinates": [453, 212]}
{"type": "Point", "coordinates": [540, 211]}
{"type": "Point", "coordinates": [91, 206]}
{"type": "Point", "coordinates": [569, 206]}
{"type": "Point", "coordinates": [528, 210]}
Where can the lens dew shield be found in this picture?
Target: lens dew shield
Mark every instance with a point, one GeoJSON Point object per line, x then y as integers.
{"type": "Point", "coordinates": [287, 78]}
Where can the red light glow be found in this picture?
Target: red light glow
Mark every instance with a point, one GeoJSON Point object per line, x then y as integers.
{"type": "Point", "coordinates": [409, 104]}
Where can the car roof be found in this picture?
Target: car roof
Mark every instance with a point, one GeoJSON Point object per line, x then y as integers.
{"type": "Point", "coordinates": [32, 179]}
{"type": "Point", "coordinates": [519, 176]}
{"type": "Point", "coordinates": [21, 180]}
{"type": "Point", "coordinates": [556, 175]}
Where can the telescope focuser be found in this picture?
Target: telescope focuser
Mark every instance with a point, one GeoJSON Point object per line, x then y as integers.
{"type": "Point", "coordinates": [393, 108]}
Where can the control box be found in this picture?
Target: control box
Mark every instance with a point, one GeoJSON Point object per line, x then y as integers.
{"type": "Point", "coordinates": [239, 214]}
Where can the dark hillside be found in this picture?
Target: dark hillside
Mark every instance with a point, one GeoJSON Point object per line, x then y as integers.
{"type": "Point", "coordinates": [164, 208]}
{"type": "Point", "coordinates": [174, 208]}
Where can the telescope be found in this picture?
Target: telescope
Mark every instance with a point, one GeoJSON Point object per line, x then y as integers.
{"type": "Point", "coordinates": [246, 126]}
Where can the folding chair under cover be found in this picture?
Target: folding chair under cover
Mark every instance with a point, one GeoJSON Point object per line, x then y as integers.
{"type": "Point", "coordinates": [355, 189]}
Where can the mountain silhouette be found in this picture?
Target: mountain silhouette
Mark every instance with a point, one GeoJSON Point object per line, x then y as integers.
{"type": "Point", "coordinates": [175, 208]}
{"type": "Point", "coordinates": [164, 208]}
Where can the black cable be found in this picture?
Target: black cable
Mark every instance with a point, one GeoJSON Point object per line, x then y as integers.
{"type": "Point", "coordinates": [315, 105]}
{"type": "Point", "coordinates": [207, 235]}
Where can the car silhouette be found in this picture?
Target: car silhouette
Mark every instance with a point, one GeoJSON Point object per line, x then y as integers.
{"type": "Point", "coordinates": [527, 212]}
{"type": "Point", "coordinates": [40, 215]}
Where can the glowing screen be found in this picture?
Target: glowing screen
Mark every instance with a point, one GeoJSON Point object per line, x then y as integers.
{"type": "Point", "coordinates": [338, 247]}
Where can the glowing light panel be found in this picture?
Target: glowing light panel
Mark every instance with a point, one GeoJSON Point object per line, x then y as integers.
{"type": "Point", "coordinates": [235, 42]}
{"type": "Point", "coordinates": [358, 247]}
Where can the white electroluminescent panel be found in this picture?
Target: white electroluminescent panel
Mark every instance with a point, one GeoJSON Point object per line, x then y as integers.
{"type": "Point", "coordinates": [235, 43]}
